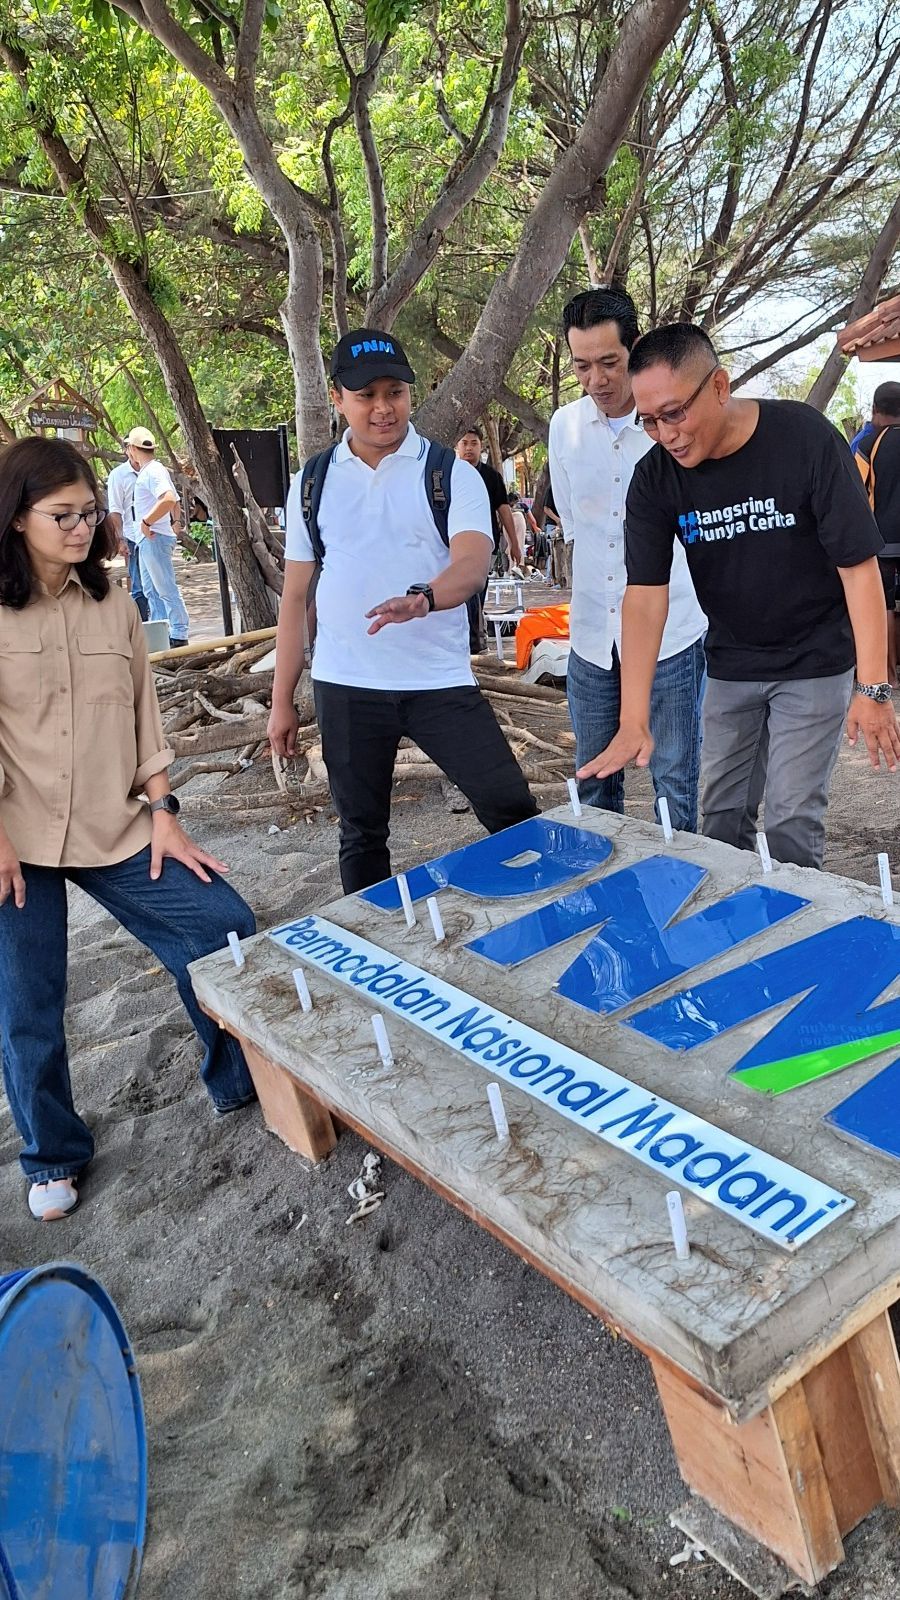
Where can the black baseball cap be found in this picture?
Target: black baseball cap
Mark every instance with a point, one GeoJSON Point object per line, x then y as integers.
{"type": "Point", "coordinates": [365, 354]}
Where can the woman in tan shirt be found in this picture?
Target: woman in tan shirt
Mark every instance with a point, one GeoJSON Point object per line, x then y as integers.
{"type": "Point", "coordinates": [84, 798]}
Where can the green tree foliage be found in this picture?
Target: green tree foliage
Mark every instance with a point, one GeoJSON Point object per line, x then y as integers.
{"type": "Point", "coordinates": [761, 162]}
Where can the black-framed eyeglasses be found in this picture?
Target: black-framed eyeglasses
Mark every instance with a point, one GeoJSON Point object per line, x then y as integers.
{"type": "Point", "coordinates": [676, 414]}
{"type": "Point", "coordinates": [67, 521]}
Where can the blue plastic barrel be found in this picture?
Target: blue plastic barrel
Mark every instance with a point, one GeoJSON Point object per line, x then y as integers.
{"type": "Point", "coordinates": [73, 1452]}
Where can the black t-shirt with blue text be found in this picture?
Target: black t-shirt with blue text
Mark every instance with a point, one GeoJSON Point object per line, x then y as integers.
{"type": "Point", "coordinates": [764, 531]}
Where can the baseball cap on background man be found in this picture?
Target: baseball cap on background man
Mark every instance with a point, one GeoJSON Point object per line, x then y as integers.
{"type": "Point", "coordinates": [140, 439]}
{"type": "Point", "coordinates": [365, 354]}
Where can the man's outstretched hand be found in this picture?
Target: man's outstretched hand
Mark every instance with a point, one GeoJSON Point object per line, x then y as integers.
{"type": "Point", "coordinates": [401, 609]}
{"type": "Point", "coordinates": [629, 744]}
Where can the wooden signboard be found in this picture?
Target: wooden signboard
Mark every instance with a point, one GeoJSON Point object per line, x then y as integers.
{"type": "Point", "coordinates": [659, 1015]}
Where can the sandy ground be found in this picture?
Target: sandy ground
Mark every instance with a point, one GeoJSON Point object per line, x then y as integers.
{"type": "Point", "coordinates": [391, 1411]}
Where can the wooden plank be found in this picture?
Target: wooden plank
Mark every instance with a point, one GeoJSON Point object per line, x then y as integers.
{"type": "Point", "coordinates": [873, 1356]}
{"type": "Point", "coordinates": [834, 1404]}
{"type": "Point", "coordinates": [739, 1468]}
{"type": "Point", "coordinates": [297, 1118]}
{"type": "Point", "coordinates": [809, 1486]}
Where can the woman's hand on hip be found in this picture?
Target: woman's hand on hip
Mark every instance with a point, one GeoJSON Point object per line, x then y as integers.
{"type": "Point", "coordinates": [170, 841]}
{"type": "Point", "coordinates": [11, 880]}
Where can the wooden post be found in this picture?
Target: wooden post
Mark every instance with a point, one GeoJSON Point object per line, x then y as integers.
{"type": "Point", "coordinates": [802, 1473]}
{"type": "Point", "coordinates": [298, 1119]}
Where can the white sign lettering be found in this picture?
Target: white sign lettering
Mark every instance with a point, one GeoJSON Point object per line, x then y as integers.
{"type": "Point", "coordinates": [783, 1205]}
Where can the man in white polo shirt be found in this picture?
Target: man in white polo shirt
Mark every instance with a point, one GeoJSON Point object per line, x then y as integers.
{"type": "Point", "coordinates": [595, 444]}
{"type": "Point", "coordinates": [388, 668]}
{"type": "Point", "coordinates": [155, 498]}
{"type": "Point", "coordinates": [120, 513]}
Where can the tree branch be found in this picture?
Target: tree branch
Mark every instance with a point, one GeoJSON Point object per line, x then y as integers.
{"type": "Point", "coordinates": [246, 53]}
{"type": "Point", "coordinates": [466, 177]}
{"type": "Point", "coordinates": [565, 199]}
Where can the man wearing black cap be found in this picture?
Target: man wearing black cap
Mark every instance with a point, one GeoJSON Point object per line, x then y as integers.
{"type": "Point", "coordinates": [374, 682]}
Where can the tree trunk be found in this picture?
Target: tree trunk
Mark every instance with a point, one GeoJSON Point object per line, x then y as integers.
{"type": "Point", "coordinates": [253, 598]}
{"type": "Point", "coordinates": [565, 200]}
{"type": "Point", "coordinates": [867, 294]}
{"type": "Point", "coordinates": [301, 309]}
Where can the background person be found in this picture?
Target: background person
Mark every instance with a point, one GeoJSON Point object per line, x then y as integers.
{"type": "Point", "coordinates": [519, 532]}
{"type": "Point", "coordinates": [374, 681]}
{"type": "Point", "coordinates": [155, 500]}
{"type": "Point", "coordinates": [882, 480]}
{"type": "Point", "coordinates": [120, 517]}
{"type": "Point", "coordinates": [595, 444]}
{"type": "Point", "coordinates": [767, 501]}
{"type": "Point", "coordinates": [469, 447]}
{"type": "Point", "coordinates": [81, 747]}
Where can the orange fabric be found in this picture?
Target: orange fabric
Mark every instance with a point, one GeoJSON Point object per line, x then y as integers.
{"type": "Point", "coordinates": [545, 622]}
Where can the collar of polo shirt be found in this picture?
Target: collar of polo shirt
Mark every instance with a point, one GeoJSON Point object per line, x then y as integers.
{"type": "Point", "coordinates": [409, 446]}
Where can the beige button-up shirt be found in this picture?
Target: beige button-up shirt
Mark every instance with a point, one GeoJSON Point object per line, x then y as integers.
{"type": "Point", "coordinates": [80, 729]}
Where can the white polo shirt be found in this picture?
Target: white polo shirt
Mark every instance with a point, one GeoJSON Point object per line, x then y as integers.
{"type": "Point", "coordinates": [120, 495]}
{"type": "Point", "coordinates": [591, 463]}
{"type": "Point", "coordinates": [379, 538]}
{"type": "Point", "coordinates": [152, 481]}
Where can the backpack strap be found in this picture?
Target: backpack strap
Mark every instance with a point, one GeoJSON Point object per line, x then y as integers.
{"type": "Point", "coordinates": [438, 470]}
{"type": "Point", "coordinates": [312, 482]}
{"type": "Point", "coordinates": [866, 466]}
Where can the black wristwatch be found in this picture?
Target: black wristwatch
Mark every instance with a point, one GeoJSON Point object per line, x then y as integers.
{"type": "Point", "coordinates": [426, 590]}
{"type": "Point", "coordinates": [167, 802]}
{"type": "Point", "coordinates": [879, 692]}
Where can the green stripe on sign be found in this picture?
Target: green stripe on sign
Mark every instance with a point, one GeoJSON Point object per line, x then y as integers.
{"type": "Point", "coordinates": [776, 1077]}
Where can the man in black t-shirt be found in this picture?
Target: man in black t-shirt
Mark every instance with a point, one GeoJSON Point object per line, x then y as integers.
{"type": "Point", "coordinates": [770, 508]}
{"type": "Point", "coordinates": [881, 448]}
{"type": "Point", "coordinates": [469, 446]}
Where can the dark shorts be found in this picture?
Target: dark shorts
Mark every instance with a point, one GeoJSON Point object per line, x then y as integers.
{"type": "Point", "coordinates": [889, 567]}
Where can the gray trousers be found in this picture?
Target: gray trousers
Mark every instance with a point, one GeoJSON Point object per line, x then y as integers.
{"type": "Point", "coordinates": [778, 739]}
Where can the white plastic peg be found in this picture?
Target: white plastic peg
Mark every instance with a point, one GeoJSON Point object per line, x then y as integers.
{"type": "Point", "coordinates": [572, 787]}
{"type": "Point", "coordinates": [498, 640]}
{"type": "Point", "coordinates": [762, 845]}
{"type": "Point", "coordinates": [406, 900]}
{"type": "Point", "coordinates": [382, 1040]}
{"type": "Point", "coordinates": [664, 818]}
{"type": "Point", "coordinates": [884, 873]}
{"type": "Point", "coordinates": [302, 988]}
{"type": "Point", "coordinates": [679, 1226]}
{"type": "Point", "coordinates": [436, 923]}
{"type": "Point", "coordinates": [234, 945]}
{"type": "Point", "coordinates": [498, 1111]}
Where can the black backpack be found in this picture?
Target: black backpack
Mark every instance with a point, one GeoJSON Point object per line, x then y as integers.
{"type": "Point", "coordinates": [438, 469]}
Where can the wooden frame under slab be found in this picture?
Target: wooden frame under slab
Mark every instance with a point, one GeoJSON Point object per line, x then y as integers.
{"type": "Point", "coordinates": [796, 1477]}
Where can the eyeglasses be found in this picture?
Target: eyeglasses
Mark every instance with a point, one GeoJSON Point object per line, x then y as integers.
{"type": "Point", "coordinates": [67, 521]}
{"type": "Point", "coordinates": [677, 414]}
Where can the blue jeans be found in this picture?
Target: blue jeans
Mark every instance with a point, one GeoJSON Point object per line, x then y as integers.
{"type": "Point", "coordinates": [134, 581]}
{"type": "Point", "coordinates": [177, 917]}
{"type": "Point", "coordinates": [160, 586]}
{"type": "Point", "coordinates": [594, 699]}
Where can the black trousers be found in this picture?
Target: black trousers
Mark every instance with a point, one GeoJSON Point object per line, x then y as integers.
{"type": "Point", "coordinates": [361, 730]}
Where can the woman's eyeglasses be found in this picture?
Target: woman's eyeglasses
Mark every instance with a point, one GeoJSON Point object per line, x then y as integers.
{"type": "Point", "coordinates": [67, 521]}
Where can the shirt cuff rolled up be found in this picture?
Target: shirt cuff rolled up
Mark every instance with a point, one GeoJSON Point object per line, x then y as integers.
{"type": "Point", "coordinates": [158, 762]}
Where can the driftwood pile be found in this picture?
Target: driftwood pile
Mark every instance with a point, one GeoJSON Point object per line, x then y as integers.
{"type": "Point", "coordinates": [215, 712]}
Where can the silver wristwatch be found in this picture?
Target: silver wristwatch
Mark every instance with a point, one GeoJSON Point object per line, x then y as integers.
{"type": "Point", "coordinates": [880, 692]}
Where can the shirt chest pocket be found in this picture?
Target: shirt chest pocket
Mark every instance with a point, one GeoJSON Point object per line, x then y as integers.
{"type": "Point", "coordinates": [20, 669]}
{"type": "Point", "coordinates": [104, 670]}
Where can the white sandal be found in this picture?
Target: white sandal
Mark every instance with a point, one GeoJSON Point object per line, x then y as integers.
{"type": "Point", "coordinates": [49, 1202]}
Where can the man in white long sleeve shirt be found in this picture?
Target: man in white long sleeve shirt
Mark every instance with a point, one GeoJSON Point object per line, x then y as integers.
{"type": "Point", "coordinates": [595, 444]}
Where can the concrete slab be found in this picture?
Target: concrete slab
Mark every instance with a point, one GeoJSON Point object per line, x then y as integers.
{"type": "Point", "coordinates": [741, 1317]}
